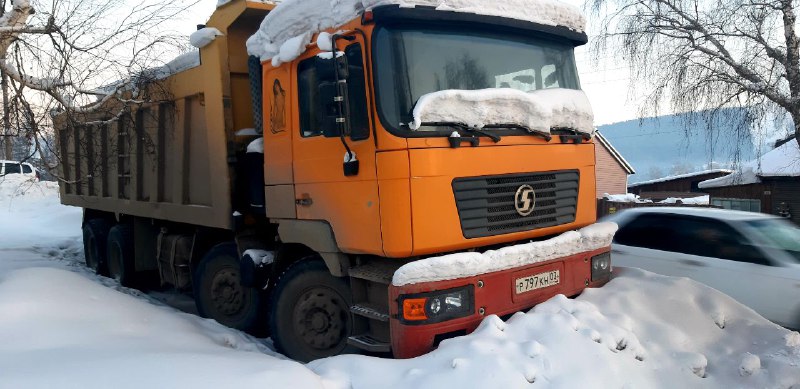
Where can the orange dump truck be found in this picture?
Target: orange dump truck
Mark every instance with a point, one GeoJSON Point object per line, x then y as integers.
{"type": "Point", "coordinates": [371, 177]}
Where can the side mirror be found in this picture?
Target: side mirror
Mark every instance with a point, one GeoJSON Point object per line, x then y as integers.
{"type": "Point", "coordinates": [334, 117]}
{"type": "Point", "coordinates": [335, 114]}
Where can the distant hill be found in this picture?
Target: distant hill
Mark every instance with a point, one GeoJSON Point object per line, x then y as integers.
{"type": "Point", "coordinates": [682, 143]}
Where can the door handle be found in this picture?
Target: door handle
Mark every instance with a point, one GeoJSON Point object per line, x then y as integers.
{"type": "Point", "coordinates": [692, 262]}
{"type": "Point", "coordinates": [304, 201]}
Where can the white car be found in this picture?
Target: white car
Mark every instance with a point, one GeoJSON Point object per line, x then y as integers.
{"type": "Point", "coordinates": [14, 167]}
{"type": "Point", "coordinates": [752, 257]}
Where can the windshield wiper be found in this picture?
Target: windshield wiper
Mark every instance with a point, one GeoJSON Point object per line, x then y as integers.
{"type": "Point", "coordinates": [461, 126]}
{"type": "Point", "coordinates": [529, 130]}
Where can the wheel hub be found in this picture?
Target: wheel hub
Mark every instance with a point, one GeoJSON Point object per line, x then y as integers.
{"type": "Point", "coordinates": [226, 292]}
{"type": "Point", "coordinates": [320, 318]}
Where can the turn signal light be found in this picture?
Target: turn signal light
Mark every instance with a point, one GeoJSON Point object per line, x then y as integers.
{"type": "Point", "coordinates": [414, 309]}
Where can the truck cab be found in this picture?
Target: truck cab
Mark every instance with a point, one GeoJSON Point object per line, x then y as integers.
{"type": "Point", "coordinates": [346, 164]}
{"type": "Point", "coordinates": [419, 191]}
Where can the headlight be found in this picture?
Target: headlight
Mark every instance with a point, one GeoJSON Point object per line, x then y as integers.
{"type": "Point", "coordinates": [601, 266]}
{"type": "Point", "coordinates": [438, 306]}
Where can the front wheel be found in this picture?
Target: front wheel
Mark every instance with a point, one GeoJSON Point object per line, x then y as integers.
{"type": "Point", "coordinates": [310, 311]}
{"type": "Point", "coordinates": [219, 294]}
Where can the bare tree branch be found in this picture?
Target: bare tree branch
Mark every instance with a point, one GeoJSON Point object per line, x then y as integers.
{"type": "Point", "coordinates": [704, 55]}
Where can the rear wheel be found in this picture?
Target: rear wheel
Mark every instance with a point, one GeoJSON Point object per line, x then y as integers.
{"type": "Point", "coordinates": [310, 311]}
{"type": "Point", "coordinates": [95, 233]}
{"type": "Point", "coordinates": [219, 294]}
{"type": "Point", "coordinates": [120, 256]}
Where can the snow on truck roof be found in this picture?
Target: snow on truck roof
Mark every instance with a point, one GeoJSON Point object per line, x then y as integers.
{"type": "Point", "coordinates": [294, 22]}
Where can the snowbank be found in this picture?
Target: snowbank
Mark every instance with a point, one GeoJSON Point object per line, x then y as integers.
{"type": "Point", "coordinates": [639, 331]}
{"type": "Point", "coordinates": [300, 19]}
{"type": "Point", "coordinates": [31, 213]}
{"type": "Point", "coordinates": [539, 110]}
{"type": "Point", "coordinates": [59, 328]}
{"type": "Point", "coordinates": [469, 264]}
{"type": "Point", "coordinates": [783, 161]}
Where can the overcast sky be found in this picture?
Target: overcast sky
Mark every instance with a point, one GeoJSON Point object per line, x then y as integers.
{"type": "Point", "coordinates": [605, 82]}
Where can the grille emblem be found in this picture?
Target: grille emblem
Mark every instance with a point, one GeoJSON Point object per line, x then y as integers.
{"type": "Point", "coordinates": [525, 200]}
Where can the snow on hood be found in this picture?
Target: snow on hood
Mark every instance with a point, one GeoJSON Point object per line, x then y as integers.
{"type": "Point", "coordinates": [783, 161]}
{"type": "Point", "coordinates": [303, 18]}
{"type": "Point", "coordinates": [538, 110]}
{"type": "Point", "coordinates": [469, 264]}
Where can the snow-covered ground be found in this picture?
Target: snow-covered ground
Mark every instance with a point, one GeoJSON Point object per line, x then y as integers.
{"type": "Point", "coordinates": [61, 326]}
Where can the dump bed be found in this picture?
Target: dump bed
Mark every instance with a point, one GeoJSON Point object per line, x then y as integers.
{"type": "Point", "coordinates": [174, 158]}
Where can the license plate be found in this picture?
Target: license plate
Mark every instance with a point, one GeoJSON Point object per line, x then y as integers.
{"type": "Point", "coordinates": [537, 281]}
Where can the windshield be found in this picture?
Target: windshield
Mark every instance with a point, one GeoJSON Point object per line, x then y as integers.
{"type": "Point", "coordinates": [779, 234]}
{"type": "Point", "coordinates": [413, 62]}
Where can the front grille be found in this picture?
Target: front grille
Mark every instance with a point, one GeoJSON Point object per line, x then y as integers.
{"type": "Point", "coordinates": [486, 205]}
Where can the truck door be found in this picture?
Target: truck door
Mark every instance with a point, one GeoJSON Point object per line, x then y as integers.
{"type": "Point", "coordinates": [322, 190]}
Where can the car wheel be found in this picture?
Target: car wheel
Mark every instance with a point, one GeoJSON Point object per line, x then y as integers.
{"type": "Point", "coordinates": [120, 255]}
{"type": "Point", "coordinates": [311, 312]}
{"type": "Point", "coordinates": [95, 235]}
{"type": "Point", "coordinates": [219, 294]}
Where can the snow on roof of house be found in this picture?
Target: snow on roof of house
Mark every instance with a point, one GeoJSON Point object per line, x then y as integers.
{"type": "Point", "coordinates": [783, 161]}
{"type": "Point", "coordinates": [615, 153]}
{"type": "Point", "coordinates": [680, 176]}
{"type": "Point", "coordinates": [294, 20]}
{"type": "Point", "coordinates": [538, 110]}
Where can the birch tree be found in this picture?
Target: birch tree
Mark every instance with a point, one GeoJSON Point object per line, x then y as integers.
{"type": "Point", "coordinates": [695, 55]}
{"type": "Point", "coordinates": [74, 56]}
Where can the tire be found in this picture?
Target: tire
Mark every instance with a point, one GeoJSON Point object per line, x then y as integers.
{"type": "Point", "coordinates": [95, 236]}
{"type": "Point", "coordinates": [310, 312]}
{"type": "Point", "coordinates": [219, 294]}
{"type": "Point", "coordinates": [120, 257]}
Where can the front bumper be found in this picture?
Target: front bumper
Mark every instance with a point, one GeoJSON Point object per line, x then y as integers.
{"type": "Point", "coordinates": [494, 294]}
